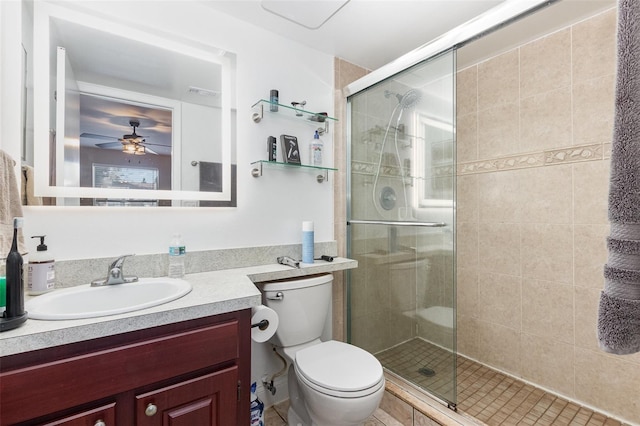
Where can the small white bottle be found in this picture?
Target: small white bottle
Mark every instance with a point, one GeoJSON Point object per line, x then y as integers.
{"type": "Point", "coordinates": [316, 150]}
{"type": "Point", "coordinates": [177, 254]}
{"type": "Point", "coordinates": [41, 270]}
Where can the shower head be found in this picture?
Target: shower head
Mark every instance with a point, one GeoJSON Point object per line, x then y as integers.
{"type": "Point", "coordinates": [408, 100]}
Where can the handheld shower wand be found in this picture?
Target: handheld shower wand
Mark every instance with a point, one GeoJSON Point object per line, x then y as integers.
{"type": "Point", "coordinates": [408, 100]}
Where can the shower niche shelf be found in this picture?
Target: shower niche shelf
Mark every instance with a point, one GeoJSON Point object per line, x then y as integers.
{"type": "Point", "coordinates": [317, 118]}
{"type": "Point", "coordinates": [258, 167]}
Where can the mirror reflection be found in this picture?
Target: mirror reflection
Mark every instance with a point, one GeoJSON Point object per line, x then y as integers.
{"type": "Point", "coordinates": [131, 120]}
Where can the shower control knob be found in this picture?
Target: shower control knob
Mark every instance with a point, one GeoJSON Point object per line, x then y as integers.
{"type": "Point", "coordinates": [388, 198]}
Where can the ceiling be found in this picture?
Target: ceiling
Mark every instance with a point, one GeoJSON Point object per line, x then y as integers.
{"type": "Point", "coordinates": [368, 33]}
{"type": "Point", "coordinates": [372, 33]}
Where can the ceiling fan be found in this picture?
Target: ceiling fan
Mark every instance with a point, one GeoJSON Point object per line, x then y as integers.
{"type": "Point", "coordinates": [131, 143]}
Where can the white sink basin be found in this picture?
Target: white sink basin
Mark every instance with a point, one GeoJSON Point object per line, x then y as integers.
{"type": "Point", "coordinates": [85, 301]}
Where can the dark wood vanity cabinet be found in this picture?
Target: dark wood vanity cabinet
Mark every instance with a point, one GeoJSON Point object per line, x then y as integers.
{"type": "Point", "coordinates": [190, 373]}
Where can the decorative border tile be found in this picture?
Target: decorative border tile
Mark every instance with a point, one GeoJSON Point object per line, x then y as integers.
{"type": "Point", "coordinates": [567, 155]}
{"type": "Point", "coordinates": [574, 154]}
{"type": "Point", "coordinates": [506, 163]}
{"type": "Point", "coordinates": [370, 169]}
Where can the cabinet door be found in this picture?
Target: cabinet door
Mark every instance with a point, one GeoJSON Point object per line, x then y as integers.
{"type": "Point", "coordinates": [101, 416]}
{"type": "Point", "coordinates": [206, 400]}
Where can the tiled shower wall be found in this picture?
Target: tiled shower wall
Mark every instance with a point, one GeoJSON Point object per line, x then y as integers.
{"type": "Point", "coordinates": [534, 128]}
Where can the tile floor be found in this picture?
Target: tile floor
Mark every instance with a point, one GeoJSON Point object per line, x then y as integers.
{"type": "Point", "coordinates": [483, 393]}
{"type": "Point", "coordinates": [277, 416]}
{"type": "Point", "coordinates": [486, 394]}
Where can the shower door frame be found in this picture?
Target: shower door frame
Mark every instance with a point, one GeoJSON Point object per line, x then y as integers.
{"type": "Point", "coordinates": [450, 402]}
{"type": "Point", "coordinates": [492, 20]}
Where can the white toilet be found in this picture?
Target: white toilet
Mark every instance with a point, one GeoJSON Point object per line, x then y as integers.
{"type": "Point", "coordinates": [330, 383]}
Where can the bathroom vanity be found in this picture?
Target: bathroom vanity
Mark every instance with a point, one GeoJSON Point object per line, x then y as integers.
{"type": "Point", "coordinates": [193, 371]}
{"type": "Point", "coordinates": [184, 362]}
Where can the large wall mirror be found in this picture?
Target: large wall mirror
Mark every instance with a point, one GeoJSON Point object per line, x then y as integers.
{"type": "Point", "coordinates": [129, 117]}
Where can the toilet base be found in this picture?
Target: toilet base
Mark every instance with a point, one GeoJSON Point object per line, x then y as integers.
{"type": "Point", "coordinates": [293, 419]}
{"type": "Point", "coordinates": [300, 414]}
{"type": "Point", "coordinates": [300, 417]}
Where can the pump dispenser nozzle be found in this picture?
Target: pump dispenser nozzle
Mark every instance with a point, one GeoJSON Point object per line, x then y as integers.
{"type": "Point", "coordinates": [42, 246]}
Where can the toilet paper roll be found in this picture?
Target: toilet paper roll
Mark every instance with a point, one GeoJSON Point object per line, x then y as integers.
{"type": "Point", "coordinates": [262, 333]}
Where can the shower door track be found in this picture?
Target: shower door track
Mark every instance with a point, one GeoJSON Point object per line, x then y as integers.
{"type": "Point", "coordinates": [396, 223]}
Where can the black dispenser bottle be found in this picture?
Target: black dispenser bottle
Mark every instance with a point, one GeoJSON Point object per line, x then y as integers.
{"type": "Point", "coordinates": [14, 315]}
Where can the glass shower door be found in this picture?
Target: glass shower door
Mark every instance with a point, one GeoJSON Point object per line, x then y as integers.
{"type": "Point", "coordinates": [401, 192]}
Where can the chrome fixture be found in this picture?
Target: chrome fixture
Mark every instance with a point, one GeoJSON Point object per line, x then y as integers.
{"type": "Point", "coordinates": [115, 274]}
{"type": "Point", "coordinates": [297, 105]}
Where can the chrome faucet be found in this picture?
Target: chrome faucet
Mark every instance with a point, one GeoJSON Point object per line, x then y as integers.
{"type": "Point", "coordinates": [115, 274]}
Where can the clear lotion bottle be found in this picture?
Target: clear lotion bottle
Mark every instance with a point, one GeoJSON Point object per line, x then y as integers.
{"type": "Point", "coordinates": [177, 254]}
{"type": "Point", "coordinates": [316, 149]}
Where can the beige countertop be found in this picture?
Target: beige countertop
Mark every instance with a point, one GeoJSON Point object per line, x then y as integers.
{"type": "Point", "coordinates": [213, 293]}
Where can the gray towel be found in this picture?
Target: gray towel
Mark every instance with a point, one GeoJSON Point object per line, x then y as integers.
{"type": "Point", "coordinates": [619, 311]}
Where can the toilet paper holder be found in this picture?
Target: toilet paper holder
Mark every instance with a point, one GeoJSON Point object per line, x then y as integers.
{"type": "Point", "coordinates": [262, 325]}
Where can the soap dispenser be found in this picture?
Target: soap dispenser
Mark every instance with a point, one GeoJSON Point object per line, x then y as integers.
{"type": "Point", "coordinates": [14, 314]}
{"type": "Point", "coordinates": [41, 272]}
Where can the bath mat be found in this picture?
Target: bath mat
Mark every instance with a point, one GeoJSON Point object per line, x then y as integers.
{"type": "Point", "coordinates": [619, 310]}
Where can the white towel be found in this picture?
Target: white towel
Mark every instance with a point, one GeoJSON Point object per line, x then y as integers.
{"type": "Point", "coordinates": [10, 205]}
{"type": "Point", "coordinates": [28, 199]}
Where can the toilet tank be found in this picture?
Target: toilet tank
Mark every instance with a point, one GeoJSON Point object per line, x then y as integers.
{"type": "Point", "coordinates": [302, 305]}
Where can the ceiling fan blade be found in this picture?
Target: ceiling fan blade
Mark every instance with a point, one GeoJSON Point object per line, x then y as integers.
{"type": "Point", "coordinates": [150, 151]}
{"type": "Point", "coordinates": [95, 136]}
{"type": "Point", "coordinates": [109, 145]}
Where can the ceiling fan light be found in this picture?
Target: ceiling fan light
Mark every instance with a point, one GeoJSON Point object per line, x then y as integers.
{"type": "Point", "coordinates": [140, 150]}
{"type": "Point", "coordinates": [129, 148]}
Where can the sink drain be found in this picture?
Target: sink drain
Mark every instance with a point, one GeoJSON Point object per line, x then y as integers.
{"type": "Point", "coordinates": [427, 372]}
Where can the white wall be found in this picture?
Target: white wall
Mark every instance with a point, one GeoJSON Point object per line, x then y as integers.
{"type": "Point", "coordinates": [270, 209]}
{"type": "Point", "coordinates": [10, 77]}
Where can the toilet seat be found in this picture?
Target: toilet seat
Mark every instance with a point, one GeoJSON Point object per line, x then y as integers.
{"type": "Point", "coordinates": [339, 369]}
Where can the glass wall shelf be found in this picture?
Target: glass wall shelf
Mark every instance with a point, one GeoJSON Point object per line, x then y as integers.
{"type": "Point", "coordinates": [313, 117]}
{"type": "Point", "coordinates": [258, 166]}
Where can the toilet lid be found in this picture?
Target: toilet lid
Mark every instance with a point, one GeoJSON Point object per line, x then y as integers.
{"type": "Point", "coordinates": [339, 366]}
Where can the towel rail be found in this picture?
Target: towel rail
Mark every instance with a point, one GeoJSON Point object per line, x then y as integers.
{"type": "Point", "coordinates": [396, 223]}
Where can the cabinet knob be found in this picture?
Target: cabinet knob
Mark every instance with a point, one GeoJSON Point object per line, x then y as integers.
{"type": "Point", "coordinates": [151, 409]}
{"type": "Point", "coordinates": [100, 423]}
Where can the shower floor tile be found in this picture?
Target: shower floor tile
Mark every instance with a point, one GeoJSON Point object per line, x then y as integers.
{"type": "Point", "coordinates": [483, 393]}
